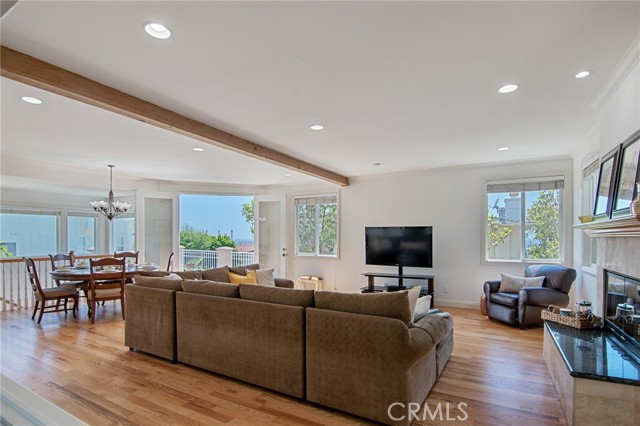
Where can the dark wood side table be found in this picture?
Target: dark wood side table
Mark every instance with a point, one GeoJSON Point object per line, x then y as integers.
{"type": "Point", "coordinates": [425, 291]}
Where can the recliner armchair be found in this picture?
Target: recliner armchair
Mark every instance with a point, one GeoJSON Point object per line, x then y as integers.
{"type": "Point", "coordinates": [525, 308]}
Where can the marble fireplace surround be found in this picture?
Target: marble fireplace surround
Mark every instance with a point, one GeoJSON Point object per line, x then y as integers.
{"type": "Point", "coordinates": [618, 250]}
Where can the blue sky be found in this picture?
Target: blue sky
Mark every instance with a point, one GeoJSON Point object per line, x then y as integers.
{"type": "Point", "coordinates": [215, 212]}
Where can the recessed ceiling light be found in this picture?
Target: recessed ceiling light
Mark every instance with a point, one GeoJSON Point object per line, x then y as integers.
{"type": "Point", "coordinates": [317, 127]}
{"type": "Point", "coordinates": [31, 100]}
{"type": "Point", "coordinates": [198, 149]}
{"type": "Point", "coordinates": [583, 74]}
{"type": "Point", "coordinates": [287, 174]}
{"type": "Point", "coordinates": [504, 148]}
{"type": "Point", "coordinates": [508, 88]}
{"type": "Point", "coordinates": [157, 30]}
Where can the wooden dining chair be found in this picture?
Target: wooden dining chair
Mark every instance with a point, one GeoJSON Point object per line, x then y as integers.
{"type": "Point", "coordinates": [105, 284]}
{"type": "Point", "coordinates": [61, 260]}
{"type": "Point", "coordinates": [126, 255]}
{"type": "Point", "coordinates": [170, 263]}
{"type": "Point", "coordinates": [44, 295]}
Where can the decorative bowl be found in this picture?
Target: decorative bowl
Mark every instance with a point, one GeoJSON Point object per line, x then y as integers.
{"type": "Point", "coordinates": [585, 219]}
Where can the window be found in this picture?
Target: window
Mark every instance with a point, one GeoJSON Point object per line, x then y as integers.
{"type": "Point", "coordinates": [81, 232]}
{"type": "Point", "coordinates": [28, 232]}
{"type": "Point", "coordinates": [523, 219]}
{"type": "Point", "coordinates": [317, 226]}
{"type": "Point", "coordinates": [123, 232]}
{"type": "Point", "coordinates": [589, 188]}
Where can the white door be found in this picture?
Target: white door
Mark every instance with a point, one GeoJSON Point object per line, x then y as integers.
{"type": "Point", "coordinates": [158, 220]}
{"type": "Point", "coordinates": [269, 231]}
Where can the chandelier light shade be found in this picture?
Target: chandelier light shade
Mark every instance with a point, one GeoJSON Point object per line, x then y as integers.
{"type": "Point", "coordinates": [110, 208]}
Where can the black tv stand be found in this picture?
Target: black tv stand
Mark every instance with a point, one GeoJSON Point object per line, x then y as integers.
{"type": "Point", "coordinates": [371, 288]}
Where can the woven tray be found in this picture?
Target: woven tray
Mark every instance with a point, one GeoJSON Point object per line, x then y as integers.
{"type": "Point", "coordinates": [553, 314]}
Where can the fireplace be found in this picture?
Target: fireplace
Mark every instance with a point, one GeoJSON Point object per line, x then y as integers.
{"type": "Point", "coordinates": [622, 306]}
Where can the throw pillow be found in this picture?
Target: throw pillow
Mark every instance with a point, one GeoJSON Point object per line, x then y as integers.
{"type": "Point", "coordinates": [423, 306]}
{"type": "Point", "coordinates": [250, 278]}
{"type": "Point", "coordinates": [172, 276]}
{"type": "Point", "coordinates": [512, 284]}
{"type": "Point", "coordinates": [264, 277]}
{"type": "Point", "coordinates": [414, 294]}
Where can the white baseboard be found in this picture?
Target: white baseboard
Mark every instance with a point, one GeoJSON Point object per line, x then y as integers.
{"type": "Point", "coordinates": [456, 304]}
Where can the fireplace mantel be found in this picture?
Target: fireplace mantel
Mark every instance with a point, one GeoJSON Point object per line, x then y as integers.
{"type": "Point", "coordinates": [626, 226]}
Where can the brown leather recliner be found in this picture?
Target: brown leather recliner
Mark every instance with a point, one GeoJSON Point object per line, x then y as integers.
{"type": "Point", "coordinates": [524, 308]}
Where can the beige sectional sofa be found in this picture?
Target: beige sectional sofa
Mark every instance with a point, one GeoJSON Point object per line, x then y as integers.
{"type": "Point", "coordinates": [358, 353]}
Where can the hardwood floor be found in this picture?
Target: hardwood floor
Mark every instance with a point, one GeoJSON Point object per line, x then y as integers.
{"type": "Point", "coordinates": [496, 370]}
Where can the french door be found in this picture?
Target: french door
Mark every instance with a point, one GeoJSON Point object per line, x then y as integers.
{"type": "Point", "coordinates": [269, 218]}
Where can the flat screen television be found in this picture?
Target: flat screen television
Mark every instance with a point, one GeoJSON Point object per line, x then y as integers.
{"type": "Point", "coordinates": [399, 246]}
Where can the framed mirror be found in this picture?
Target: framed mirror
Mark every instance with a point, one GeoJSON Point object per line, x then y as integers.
{"type": "Point", "coordinates": [606, 183]}
{"type": "Point", "coordinates": [628, 175]}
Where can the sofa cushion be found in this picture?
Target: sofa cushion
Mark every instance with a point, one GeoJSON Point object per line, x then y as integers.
{"type": "Point", "coordinates": [220, 275]}
{"type": "Point", "coordinates": [189, 275]}
{"type": "Point", "coordinates": [158, 282]}
{"type": "Point", "coordinates": [211, 288]}
{"type": "Point", "coordinates": [152, 273]}
{"type": "Point", "coordinates": [438, 326]}
{"type": "Point", "coordinates": [250, 278]}
{"type": "Point", "coordinates": [242, 270]}
{"type": "Point", "coordinates": [392, 305]}
{"type": "Point", "coordinates": [281, 296]}
{"type": "Point", "coordinates": [506, 299]}
{"type": "Point", "coordinates": [512, 284]}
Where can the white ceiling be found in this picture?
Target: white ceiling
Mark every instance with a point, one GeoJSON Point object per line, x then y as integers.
{"type": "Point", "coordinates": [412, 85]}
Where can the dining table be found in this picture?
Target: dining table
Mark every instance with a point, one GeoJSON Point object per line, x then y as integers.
{"type": "Point", "coordinates": [82, 274]}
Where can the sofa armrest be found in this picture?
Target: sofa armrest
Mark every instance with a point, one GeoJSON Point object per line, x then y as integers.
{"type": "Point", "coordinates": [150, 324]}
{"type": "Point", "coordinates": [283, 282]}
{"type": "Point", "coordinates": [491, 287]}
{"type": "Point", "coordinates": [542, 296]}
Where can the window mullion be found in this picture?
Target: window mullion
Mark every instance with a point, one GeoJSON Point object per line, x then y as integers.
{"type": "Point", "coordinates": [317, 211]}
{"type": "Point", "coordinates": [523, 225]}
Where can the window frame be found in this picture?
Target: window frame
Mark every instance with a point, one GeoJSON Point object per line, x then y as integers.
{"type": "Point", "coordinates": [561, 226]}
{"type": "Point", "coordinates": [316, 253]}
{"type": "Point", "coordinates": [84, 213]}
{"type": "Point", "coordinates": [37, 211]}
{"type": "Point", "coordinates": [112, 238]}
{"type": "Point", "coordinates": [590, 173]}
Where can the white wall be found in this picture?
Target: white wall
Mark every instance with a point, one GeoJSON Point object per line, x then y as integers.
{"type": "Point", "coordinates": [618, 118]}
{"type": "Point", "coordinates": [452, 200]}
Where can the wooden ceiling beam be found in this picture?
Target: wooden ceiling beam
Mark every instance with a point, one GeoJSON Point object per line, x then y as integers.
{"type": "Point", "coordinates": [35, 72]}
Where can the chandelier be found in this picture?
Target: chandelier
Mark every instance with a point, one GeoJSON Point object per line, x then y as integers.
{"type": "Point", "coordinates": [110, 208]}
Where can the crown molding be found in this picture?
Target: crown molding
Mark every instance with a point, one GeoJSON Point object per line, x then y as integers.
{"type": "Point", "coordinates": [620, 72]}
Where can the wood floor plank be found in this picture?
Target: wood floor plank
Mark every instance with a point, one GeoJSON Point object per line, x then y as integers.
{"type": "Point", "coordinates": [496, 372]}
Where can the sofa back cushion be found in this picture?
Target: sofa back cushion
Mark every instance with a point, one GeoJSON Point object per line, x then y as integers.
{"type": "Point", "coordinates": [189, 275]}
{"type": "Point", "coordinates": [281, 296]}
{"type": "Point", "coordinates": [220, 275]}
{"type": "Point", "coordinates": [392, 304]}
{"type": "Point", "coordinates": [152, 273]}
{"type": "Point", "coordinates": [210, 288]}
{"type": "Point", "coordinates": [242, 270]}
{"type": "Point", "coordinates": [158, 282]}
